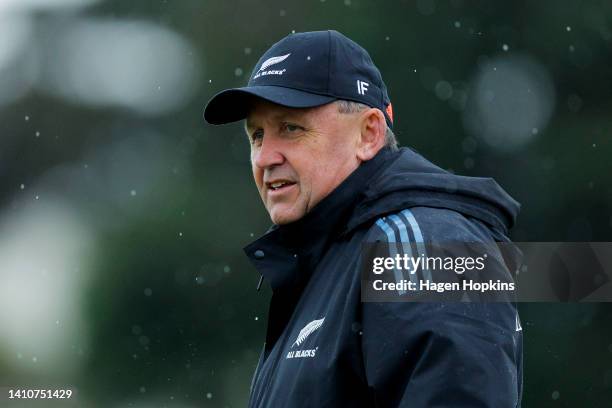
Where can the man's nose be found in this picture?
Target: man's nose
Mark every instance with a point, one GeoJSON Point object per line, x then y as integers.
{"type": "Point", "coordinates": [269, 153]}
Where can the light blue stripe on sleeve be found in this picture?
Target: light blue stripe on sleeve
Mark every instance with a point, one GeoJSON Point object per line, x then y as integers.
{"type": "Point", "coordinates": [405, 241]}
{"type": "Point", "coordinates": [418, 237]}
{"type": "Point", "coordinates": [392, 249]}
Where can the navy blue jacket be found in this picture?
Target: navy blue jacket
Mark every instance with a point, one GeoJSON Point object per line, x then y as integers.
{"type": "Point", "coordinates": [324, 347]}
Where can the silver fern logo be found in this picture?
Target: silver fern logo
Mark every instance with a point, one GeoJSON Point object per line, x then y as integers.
{"type": "Point", "coordinates": [307, 331]}
{"type": "Point", "coordinates": [273, 60]}
{"type": "Point", "coordinates": [301, 338]}
{"type": "Point", "coordinates": [269, 62]}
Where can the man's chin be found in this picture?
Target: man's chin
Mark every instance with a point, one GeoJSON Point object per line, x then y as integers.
{"type": "Point", "coordinates": [281, 216]}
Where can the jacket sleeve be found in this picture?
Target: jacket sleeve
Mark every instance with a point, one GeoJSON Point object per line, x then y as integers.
{"type": "Point", "coordinates": [442, 354]}
{"type": "Point", "coordinates": [426, 355]}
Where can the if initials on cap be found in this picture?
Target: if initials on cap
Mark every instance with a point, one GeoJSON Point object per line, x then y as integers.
{"type": "Point", "coordinates": [362, 87]}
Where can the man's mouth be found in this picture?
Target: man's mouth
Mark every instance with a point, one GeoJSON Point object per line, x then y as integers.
{"type": "Point", "coordinates": [279, 184]}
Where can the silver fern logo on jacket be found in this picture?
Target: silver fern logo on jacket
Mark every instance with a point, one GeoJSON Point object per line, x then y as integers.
{"type": "Point", "coordinates": [301, 338]}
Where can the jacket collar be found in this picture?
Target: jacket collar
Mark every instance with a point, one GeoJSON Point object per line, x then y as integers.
{"type": "Point", "coordinates": [287, 254]}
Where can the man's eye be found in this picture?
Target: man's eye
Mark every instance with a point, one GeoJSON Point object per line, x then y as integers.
{"type": "Point", "coordinates": [256, 136]}
{"type": "Point", "coordinates": [291, 127]}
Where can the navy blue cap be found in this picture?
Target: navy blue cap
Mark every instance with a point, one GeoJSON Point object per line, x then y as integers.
{"type": "Point", "coordinates": [305, 70]}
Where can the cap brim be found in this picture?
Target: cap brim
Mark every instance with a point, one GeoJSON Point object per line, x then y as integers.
{"type": "Point", "coordinates": [232, 104]}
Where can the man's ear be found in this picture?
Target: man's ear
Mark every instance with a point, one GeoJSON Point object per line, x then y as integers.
{"type": "Point", "coordinates": [372, 137]}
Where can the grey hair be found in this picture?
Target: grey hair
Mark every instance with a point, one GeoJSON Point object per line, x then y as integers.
{"type": "Point", "coordinates": [345, 106]}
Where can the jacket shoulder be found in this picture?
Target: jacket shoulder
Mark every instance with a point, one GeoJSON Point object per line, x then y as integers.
{"type": "Point", "coordinates": [428, 224]}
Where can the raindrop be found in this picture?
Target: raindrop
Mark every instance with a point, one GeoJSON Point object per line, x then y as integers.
{"type": "Point", "coordinates": [133, 193]}
{"type": "Point", "coordinates": [209, 395]}
{"type": "Point", "coordinates": [457, 24]}
{"type": "Point", "coordinates": [347, 2]}
{"type": "Point", "coordinates": [444, 90]}
{"type": "Point", "coordinates": [37, 134]}
{"type": "Point", "coordinates": [282, 13]}
{"type": "Point", "coordinates": [180, 234]}
{"type": "Point", "coordinates": [22, 186]}
{"type": "Point", "coordinates": [555, 395]}
{"type": "Point", "coordinates": [238, 71]}
{"type": "Point", "coordinates": [487, 114]}
{"type": "Point", "coordinates": [142, 390]}
{"type": "Point", "coordinates": [568, 28]}
{"type": "Point", "coordinates": [148, 292]}
{"type": "Point", "coordinates": [572, 48]}
{"type": "Point", "coordinates": [534, 131]}
{"type": "Point", "coordinates": [387, 38]}
{"type": "Point", "coordinates": [505, 47]}
{"type": "Point", "coordinates": [256, 318]}
{"type": "Point", "coordinates": [34, 359]}
{"type": "Point", "coordinates": [36, 197]}
{"type": "Point", "coordinates": [308, 58]}
{"type": "Point", "coordinates": [27, 118]}
{"type": "Point", "coordinates": [247, 50]}
{"type": "Point", "coordinates": [226, 269]}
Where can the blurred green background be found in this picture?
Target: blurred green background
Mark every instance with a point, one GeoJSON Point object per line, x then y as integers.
{"type": "Point", "coordinates": [123, 215]}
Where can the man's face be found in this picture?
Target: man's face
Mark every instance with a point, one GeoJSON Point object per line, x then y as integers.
{"type": "Point", "coordinates": [299, 156]}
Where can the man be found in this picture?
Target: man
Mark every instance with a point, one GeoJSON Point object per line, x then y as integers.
{"type": "Point", "coordinates": [330, 174]}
